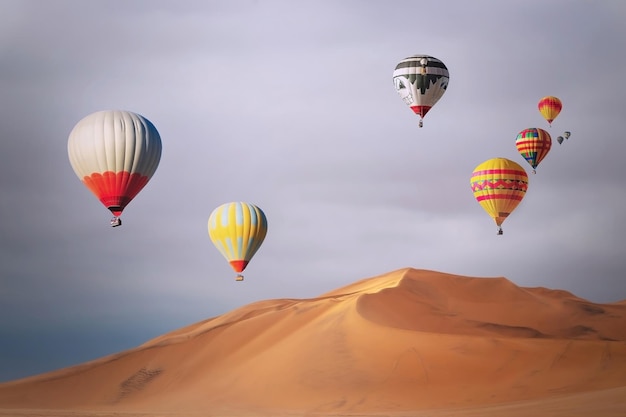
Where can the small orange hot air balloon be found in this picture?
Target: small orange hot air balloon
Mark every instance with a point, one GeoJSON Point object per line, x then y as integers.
{"type": "Point", "coordinates": [550, 107]}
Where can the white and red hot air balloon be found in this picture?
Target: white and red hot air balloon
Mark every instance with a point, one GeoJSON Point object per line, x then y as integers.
{"type": "Point", "coordinates": [114, 153]}
{"type": "Point", "coordinates": [421, 80]}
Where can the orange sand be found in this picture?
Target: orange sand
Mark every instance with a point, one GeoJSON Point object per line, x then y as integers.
{"type": "Point", "coordinates": [408, 343]}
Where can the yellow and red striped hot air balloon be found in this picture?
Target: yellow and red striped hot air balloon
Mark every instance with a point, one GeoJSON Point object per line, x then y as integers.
{"type": "Point", "coordinates": [237, 230]}
{"type": "Point", "coordinates": [114, 153]}
{"type": "Point", "coordinates": [499, 185]}
{"type": "Point", "coordinates": [550, 107]}
{"type": "Point", "coordinates": [533, 144]}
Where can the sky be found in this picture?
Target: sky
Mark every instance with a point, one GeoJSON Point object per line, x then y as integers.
{"type": "Point", "coordinates": [290, 105]}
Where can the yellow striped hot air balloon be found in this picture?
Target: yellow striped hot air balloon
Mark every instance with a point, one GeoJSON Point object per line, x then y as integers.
{"type": "Point", "coordinates": [237, 230]}
{"type": "Point", "coordinates": [550, 107]}
{"type": "Point", "coordinates": [533, 144]}
{"type": "Point", "coordinates": [499, 185]}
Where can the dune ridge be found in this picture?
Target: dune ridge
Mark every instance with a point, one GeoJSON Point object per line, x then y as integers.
{"type": "Point", "coordinates": [404, 342]}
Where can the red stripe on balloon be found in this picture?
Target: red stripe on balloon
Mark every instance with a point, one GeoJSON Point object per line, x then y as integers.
{"type": "Point", "coordinates": [500, 196]}
{"type": "Point", "coordinates": [421, 110]}
{"type": "Point", "coordinates": [239, 265]}
{"type": "Point", "coordinates": [499, 171]}
{"type": "Point", "coordinates": [115, 190]}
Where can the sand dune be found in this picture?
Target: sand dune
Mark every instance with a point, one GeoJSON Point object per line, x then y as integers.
{"type": "Point", "coordinates": [411, 342]}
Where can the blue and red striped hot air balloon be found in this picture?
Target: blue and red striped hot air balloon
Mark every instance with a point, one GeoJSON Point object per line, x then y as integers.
{"type": "Point", "coordinates": [533, 144]}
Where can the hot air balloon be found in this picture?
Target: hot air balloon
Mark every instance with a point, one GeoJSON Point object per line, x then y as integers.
{"type": "Point", "coordinates": [567, 135]}
{"type": "Point", "coordinates": [499, 185]}
{"type": "Point", "coordinates": [550, 107]}
{"type": "Point", "coordinates": [237, 230]}
{"type": "Point", "coordinates": [533, 144]}
{"type": "Point", "coordinates": [559, 139]}
{"type": "Point", "coordinates": [421, 80]}
{"type": "Point", "coordinates": [114, 153]}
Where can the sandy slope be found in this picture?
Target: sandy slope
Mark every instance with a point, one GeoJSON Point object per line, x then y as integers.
{"type": "Point", "coordinates": [411, 342]}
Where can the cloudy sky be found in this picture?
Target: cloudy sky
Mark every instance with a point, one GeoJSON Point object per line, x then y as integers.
{"type": "Point", "coordinates": [290, 105]}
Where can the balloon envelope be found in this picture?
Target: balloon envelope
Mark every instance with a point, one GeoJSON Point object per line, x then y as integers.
{"type": "Point", "coordinates": [533, 144]}
{"type": "Point", "coordinates": [421, 80]}
{"type": "Point", "coordinates": [499, 185]}
{"type": "Point", "coordinates": [550, 107]}
{"type": "Point", "coordinates": [237, 230]}
{"type": "Point", "coordinates": [114, 153]}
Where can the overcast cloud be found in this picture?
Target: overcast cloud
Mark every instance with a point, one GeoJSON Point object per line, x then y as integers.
{"type": "Point", "coordinates": [290, 105]}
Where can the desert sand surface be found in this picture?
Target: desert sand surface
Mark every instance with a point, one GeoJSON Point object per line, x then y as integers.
{"type": "Point", "coordinates": [407, 343]}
